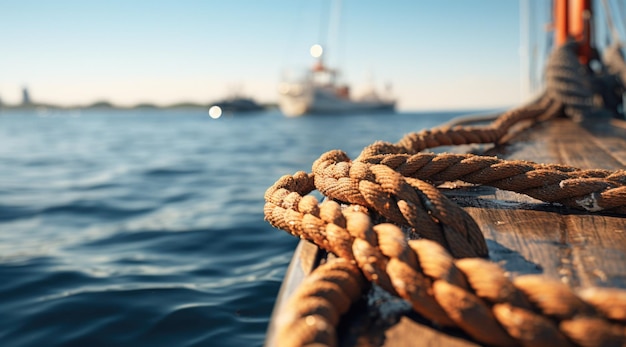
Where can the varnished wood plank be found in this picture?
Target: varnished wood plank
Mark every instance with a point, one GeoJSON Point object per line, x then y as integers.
{"type": "Point", "coordinates": [565, 142]}
{"type": "Point", "coordinates": [611, 137]}
{"type": "Point", "coordinates": [598, 249]}
{"type": "Point", "coordinates": [409, 333]}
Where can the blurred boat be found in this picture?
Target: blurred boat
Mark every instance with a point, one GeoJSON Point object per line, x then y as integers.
{"type": "Point", "coordinates": [238, 104]}
{"type": "Point", "coordinates": [320, 92]}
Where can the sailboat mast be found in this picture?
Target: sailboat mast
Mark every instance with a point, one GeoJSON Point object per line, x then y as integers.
{"type": "Point", "coordinates": [333, 27]}
{"type": "Point", "coordinates": [525, 49]}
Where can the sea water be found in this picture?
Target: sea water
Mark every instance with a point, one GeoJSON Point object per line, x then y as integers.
{"type": "Point", "coordinates": [145, 227]}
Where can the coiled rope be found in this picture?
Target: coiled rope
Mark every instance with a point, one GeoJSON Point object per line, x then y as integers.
{"type": "Point", "coordinates": [394, 185]}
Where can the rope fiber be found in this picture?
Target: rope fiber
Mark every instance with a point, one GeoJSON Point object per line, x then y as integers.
{"type": "Point", "coordinates": [440, 268]}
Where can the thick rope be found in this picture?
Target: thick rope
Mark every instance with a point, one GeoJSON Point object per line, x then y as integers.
{"type": "Point", "coordinates": [395, 183]}
{"type": "Point", "coordinates": [590, 190]}
{"type": "Point", "coordinates": [314, 309]}
{"type": "Point", "coordinates": [472, 294]}
{"type": "Point", "coordinates": [542, 109]}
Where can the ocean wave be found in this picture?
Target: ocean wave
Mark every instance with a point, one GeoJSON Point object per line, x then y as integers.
{"type": "Point", "coordinates": [84, 208]}
{"type": "Point", "coordinates": [69, 308]}
{"type": "Point", "coordinates": [171, 171]}
{"type": "Point", "coordinates": [146, 228]}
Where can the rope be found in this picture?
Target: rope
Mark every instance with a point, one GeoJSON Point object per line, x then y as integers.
{"type": "Point", "coordinates": [472, 294]}
{"type": "Point", "coordinates": [569, 81]}
{"type": "Point", "coordinates": [315, 308]}
{"type": "Point", "coordinates": [389, 186]}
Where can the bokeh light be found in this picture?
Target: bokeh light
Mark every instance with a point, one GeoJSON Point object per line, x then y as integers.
{"type": "Point", "coordinates": [316, 51]}
{"type": "Point", "coordinates": [215, 112]}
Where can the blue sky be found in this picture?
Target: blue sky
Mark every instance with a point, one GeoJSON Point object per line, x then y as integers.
{"type": "Point", "coordinates": [445, 54]}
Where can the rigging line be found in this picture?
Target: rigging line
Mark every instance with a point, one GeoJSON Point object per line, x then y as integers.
{"type": "Point", "coordinates": [532, 48]}
{"type": "Point", "coordinates": [294, 34]}
{"type": "Point", "coordinates": [549, 42]}
{"type": "Point", "coordinates": [334, 30]}
{"type": "Point", "coordinates": [609, 21]}
{"type": "Point", "coordinates": [341, 37]}
{"type": "Point", "coordinates": [323, 33]}
{"type": "Point", "coordinates": [622, 10]}
{"type": "Point", "coordinates": [537, 43]}
{"type": "Point", "coordinates": [622, 15]}
{"type": "Point", "coordinates": [524, 40]}
{"type": "Point", "coordinates": [536, 59]}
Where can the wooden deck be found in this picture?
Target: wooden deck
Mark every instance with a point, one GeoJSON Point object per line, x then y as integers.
{"type": "Point", "coordinates": [524, 236]}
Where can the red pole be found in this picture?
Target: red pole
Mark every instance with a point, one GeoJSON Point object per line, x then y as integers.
{"type": "Point", "coordinates": [580, 27]}
{"type": "Point", "coordinates": [561, 27]}
{"type": "Point", "coordinates": [572, 20]}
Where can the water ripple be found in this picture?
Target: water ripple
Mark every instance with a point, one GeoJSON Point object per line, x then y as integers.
{"type": "Point", "coordinates": [145, 228]}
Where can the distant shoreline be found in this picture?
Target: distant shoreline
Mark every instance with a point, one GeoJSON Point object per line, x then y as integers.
{"type": "Point", "coordinates": [109, 105]}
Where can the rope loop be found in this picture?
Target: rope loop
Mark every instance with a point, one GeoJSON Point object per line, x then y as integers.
{"type": "Point", "coordinates": [388, 224]}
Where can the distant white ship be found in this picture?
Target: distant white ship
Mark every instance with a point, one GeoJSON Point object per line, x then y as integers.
{"type": "Point", "coordinates": [320, 92]}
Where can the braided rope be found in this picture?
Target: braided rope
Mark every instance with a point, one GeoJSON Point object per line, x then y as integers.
{"type": "Point", "coordinates": [472, 294]}
{"type": "Point", "coordinates": [394, 183]}
{"type": "Point", "coordinates": [544, 108]}
{"type": "Point", "coordinates": [315, 308]}
{"type": "Point", "coordinates": [590, 190]}
{"type": "Point", "coordinates": [568, 80]}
